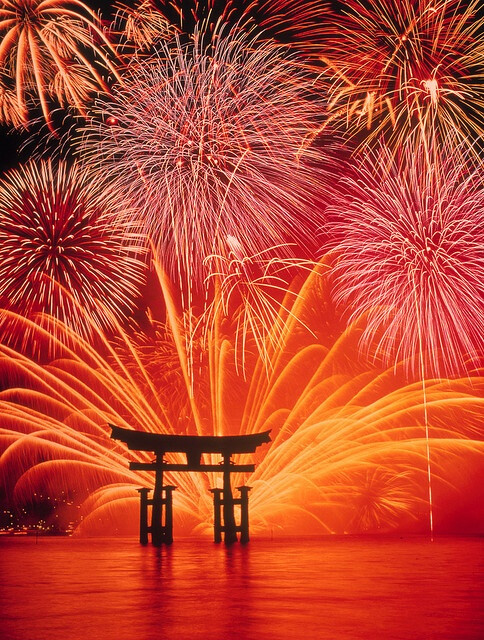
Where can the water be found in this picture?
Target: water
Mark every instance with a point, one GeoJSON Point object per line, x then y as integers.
{"type": "Point", "coordinates": [333, 588]}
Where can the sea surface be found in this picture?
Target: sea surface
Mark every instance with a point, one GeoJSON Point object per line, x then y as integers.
{"type": "Point", "coordinates": [336, 587]}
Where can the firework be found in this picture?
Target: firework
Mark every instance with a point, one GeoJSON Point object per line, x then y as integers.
{"type": "Point", "coordinates": [409, 235]}
{"type": "Point", "coordinates": [300, 25]}
{"type": "Point", "coordinates": [143, 25]}
{"type": "Point", "coordinates": [51, 52]}
{"type": "Point", "coordinates": [412, 66]}
{"type": "Point", "coordinates": [9, 106]}
{"type": "Point", "coordinates": [256, 286]}
{"type": "Point", "coordinates": [203, 142]}
{"type": "Point", "coordinates": [347, 451]}
{"type": "Point", "coordinates": [60, 253]}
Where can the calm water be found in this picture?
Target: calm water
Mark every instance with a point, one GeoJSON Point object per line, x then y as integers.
{"type": "Point", "coordinates": [333, 588]}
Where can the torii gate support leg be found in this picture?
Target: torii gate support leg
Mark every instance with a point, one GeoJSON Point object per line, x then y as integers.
{"type": "Point", "coordinates": [228, 505]}
{"type": "Point", "coordinates": [244, 514]}
{"type": "Point", "coordinates": [157, 508]}
{"type": "Point", "coordinates": [168, 502]}
{"type": "Point", "coordinates": [143, 515]}
{"type": "Point", "coordinates": [217, 520]}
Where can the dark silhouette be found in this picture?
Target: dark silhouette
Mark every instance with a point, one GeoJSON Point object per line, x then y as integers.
{"type": "Point", "coordinates": [161, 502]}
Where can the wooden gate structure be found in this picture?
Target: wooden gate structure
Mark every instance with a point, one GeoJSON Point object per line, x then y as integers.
{"type": "Point", "coordinates": [161, 499]}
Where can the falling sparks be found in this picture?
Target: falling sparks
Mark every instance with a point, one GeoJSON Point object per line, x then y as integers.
{"type": "Point", "coordinates": [347, 452]}
{"type": "Point", "coordinates": [255, 285]}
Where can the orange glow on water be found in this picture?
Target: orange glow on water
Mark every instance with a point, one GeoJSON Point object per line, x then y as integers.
{"type": "Point", "coordinates": [337, 587]}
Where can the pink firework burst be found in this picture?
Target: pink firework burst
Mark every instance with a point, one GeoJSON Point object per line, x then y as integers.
{"type": "Point", "coordinates": [60, 252]}
{"type": "Point", "coordinates": [407, 66]}
{"type": "Point", "coordinates": [410, 240]}
{"type": "Point", "coordinates": [204, 141]}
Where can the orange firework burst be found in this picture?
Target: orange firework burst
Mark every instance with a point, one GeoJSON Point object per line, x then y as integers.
{"type": "Point", "coordinates": [51, 52]}
{"type": "Point", "coordinates": [9, 106]}
{"type": "Point", "coordinates": [347, 451]}
{"type": "Point", "coordinates": [59, 249]}
{"type": "Point", "coordinates": [407, 66]}
{"type": "Point", "coordinates": [299, 24]}
{"type": "Point", "coordinates": [143, 25]}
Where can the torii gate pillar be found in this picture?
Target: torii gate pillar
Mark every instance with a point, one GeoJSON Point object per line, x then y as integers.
{"type": "Point", "coordinates": [161, 527]}
{"type": "Point", "coordinates": [220, 524]}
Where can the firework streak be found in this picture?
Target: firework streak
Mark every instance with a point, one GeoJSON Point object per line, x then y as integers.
{"type": "Point", "coordinates": [348, 446]}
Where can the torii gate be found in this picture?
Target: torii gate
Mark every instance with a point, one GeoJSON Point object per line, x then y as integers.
{"type": "Point", "coordinates": [161, 527]}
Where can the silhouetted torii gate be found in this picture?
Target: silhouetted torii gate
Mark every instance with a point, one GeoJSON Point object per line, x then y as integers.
{"type": "Point", "coordinates": [161, 527]}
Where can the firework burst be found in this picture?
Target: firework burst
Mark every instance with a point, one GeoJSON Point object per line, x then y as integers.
{"type": "Point", "coordinates": [347, 452]}
{"type": "Point", "coordinates": [9, 106]}
{"type": "Point", "coordinates": [142, 25]}
{"type": "Point", "coordinates": [203, 141]}
{"type": "Point", "coordinates": [300, 25]}
{"type": "Point", "coordinates": [412, 66]}
{"type": "Point", "coordinates": [409, 235]}
{"type": "Point", "coordinates": [51, 52]}
{"type": "Point", "coordinates": [60, 253]}
{"type": "Point", "coordinates": [255, 287]}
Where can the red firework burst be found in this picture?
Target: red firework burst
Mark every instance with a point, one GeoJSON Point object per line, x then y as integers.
{"type": "Point", "coordinates": [60, 252]}
{"type": "Point", "coordinates": [410, 239]}
{"type": "Point", "coordinates": [408, 66]}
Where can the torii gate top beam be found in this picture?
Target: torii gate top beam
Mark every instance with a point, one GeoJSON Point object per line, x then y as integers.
{"type": "Point", "coordinates": [193, 446]}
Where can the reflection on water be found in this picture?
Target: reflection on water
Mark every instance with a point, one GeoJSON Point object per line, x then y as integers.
{"type": "Point", "coordinates": [332, 588]}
